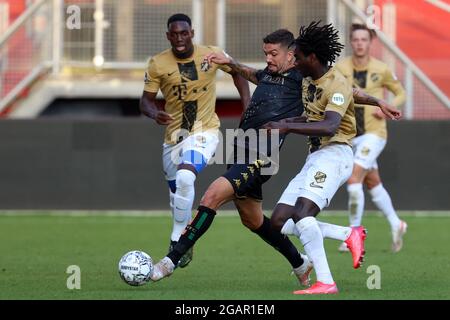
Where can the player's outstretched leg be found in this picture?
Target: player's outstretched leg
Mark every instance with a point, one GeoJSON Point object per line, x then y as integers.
{"type": "Point", "coordinates": [193, 232]}
{"type": "Point", "coordinates": [253, 218]}
{"type": "Point", "coordinates": [311, 238]}
{"type": "Point", "coordinates": [352, 237]}
{"type": "Point", "coordinates": [219, 192]}
{"type": "Point", "coordinates": [301, 264]}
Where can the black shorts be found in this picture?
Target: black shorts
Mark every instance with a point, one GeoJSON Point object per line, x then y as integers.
{"type": "Point", "coordinates": [246, 180]}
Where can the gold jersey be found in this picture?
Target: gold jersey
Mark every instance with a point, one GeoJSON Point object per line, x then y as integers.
{"type": "Point", "coordinates": [189, 88]}
{"type": "Point", "coordinates": [331, 92]}
{"type": "Point", "coordinates": [372, 79]}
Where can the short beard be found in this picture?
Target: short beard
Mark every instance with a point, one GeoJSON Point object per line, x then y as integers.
{"type": "Point", "coordinates": [183, 55]}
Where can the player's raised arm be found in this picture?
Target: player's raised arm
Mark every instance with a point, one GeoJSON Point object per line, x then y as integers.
{"type": "Point", "coordinates": [149, 108]}
{"type": "Point", "coordinates": [224, 59]}
{"type": "Point", "coordinates": [361, 97]}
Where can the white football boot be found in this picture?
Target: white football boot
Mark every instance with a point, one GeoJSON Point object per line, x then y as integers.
{"type": "Point", "coordinates": [302, 273]}
{"type": "Point", "coordinates": [397, 236]}
{"type": "Point", "coordinates": [162, 269]}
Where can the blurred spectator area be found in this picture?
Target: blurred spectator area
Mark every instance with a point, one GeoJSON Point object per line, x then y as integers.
{"type": "Point", "coordinates": [44, 62]}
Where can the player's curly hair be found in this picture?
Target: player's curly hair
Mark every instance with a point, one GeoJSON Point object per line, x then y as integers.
{"type": "Point", "coordinates": [320, 40]}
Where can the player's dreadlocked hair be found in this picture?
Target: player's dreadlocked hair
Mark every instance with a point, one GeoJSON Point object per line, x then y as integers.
{"type": "Point", "coordinates": [322, 41]}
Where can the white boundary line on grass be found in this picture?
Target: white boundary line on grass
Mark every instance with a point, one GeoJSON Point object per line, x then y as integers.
{"type": "Point", "coordinates": [163, 213]}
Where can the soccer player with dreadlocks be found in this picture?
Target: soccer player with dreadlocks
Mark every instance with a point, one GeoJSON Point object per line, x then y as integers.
{"type": "Point", "coordinates": [330, 124]}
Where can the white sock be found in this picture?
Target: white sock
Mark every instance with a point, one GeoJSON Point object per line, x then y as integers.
{"type": "Point", "coordinates": [332, 231]}
{"type": "Point", "coordinates": [171, 196]}
{"type": "Point", "coordinates": [355, 203]}
{"type": "Point", "coordinates": [382, 200]}
{"type": "Point", "coordinates": [182, 202]}
{"type": "Point", "coordinates": [312, 240]}
{"type": "Point", "coordinates": [289, 228]}
{"type": "Point", "coordinates": [329, 231]}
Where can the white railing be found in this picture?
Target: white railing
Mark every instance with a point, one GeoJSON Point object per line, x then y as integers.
{"type": "Point", "coordinates": [24, 51]}
{"type": "Point", "coordinates": [417, 84]}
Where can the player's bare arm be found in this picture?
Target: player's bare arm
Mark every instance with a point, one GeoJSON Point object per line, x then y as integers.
{"type": "Point", "coordinates": [360, 97]}
{"type": "Point", "coordinates": [241, 85]}
{"type": "Point", "coordinates": [327, 127]}
{"type": "Point", "coordinates": [245, 71]}
{"type": "Point", "coordinates": [149, 108]}
{"type": "Point", "coordinates": [300, 119]}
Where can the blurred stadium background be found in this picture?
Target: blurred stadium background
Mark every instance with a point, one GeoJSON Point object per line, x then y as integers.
{"type": "Point", "coordinates": [72, 138]}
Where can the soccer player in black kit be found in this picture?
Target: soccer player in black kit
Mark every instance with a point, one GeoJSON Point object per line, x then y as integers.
{"type": "Point", "coordinates": [276, 97]}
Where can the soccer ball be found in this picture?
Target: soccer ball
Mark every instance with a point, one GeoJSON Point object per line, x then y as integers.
{"type": "Point", "coordinates": [136, 268]}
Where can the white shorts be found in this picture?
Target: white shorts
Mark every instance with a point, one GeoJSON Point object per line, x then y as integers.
{"type": "Point", "coordinates": [325, 170]}
{"type": "Point", "coordinates": [367, 148]}
{"type": "Point", "coordinates": [204, 143]}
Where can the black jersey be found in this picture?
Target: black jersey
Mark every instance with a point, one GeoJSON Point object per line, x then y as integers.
{"type": "Point", "coordinates": [277, 96]}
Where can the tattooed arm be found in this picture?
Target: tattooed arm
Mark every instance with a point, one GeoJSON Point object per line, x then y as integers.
{"type": "Point", "coordinates": [246, 72]}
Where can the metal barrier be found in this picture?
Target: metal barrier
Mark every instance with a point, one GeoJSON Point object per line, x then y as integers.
{"type": "Point", "coordinates": [25, 51]}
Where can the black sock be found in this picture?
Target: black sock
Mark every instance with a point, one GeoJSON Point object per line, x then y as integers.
{"type": "Point", "coordinates": [280, 243]}
{"type": "Point", "coordinates": [193, 232]}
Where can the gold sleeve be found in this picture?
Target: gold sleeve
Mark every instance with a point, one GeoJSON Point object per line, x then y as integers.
{"type": "Point", "coordinates": [339, 98]}
{"type": "Point", "coordinates": [395, 86]}
{"type": "Point", "coordinates": [152, 81]}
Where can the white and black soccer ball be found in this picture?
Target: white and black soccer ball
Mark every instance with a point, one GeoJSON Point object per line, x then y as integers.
{"type": "Point", "coordinates": [136, 268]}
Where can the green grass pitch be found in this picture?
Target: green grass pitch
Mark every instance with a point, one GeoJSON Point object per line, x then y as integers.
{"type": "Point", "coordinates": [229, 261]}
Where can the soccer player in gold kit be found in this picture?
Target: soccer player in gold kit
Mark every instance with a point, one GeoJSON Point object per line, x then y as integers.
{"type": "Point", "coordinates": [372, 76]}
{"type": "Point", "coordinates": [188, 84]}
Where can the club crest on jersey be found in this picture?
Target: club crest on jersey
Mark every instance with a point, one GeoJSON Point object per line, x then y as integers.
{"type": "Point", "coordinates": [374, 77]}
{"type": "Point", "coordinates": [320, 177]}
{"type": "Point", "coordinates": [205, 66]}
{"type": "Point", "coordinates": [365, 151]}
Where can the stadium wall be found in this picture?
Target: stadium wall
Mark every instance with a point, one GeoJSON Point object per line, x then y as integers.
{"type": "Point", "coordinates": [116, 164]}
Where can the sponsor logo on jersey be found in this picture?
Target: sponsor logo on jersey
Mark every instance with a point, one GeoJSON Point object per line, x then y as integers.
{"type": "Point", "coordinates": [338, 99]}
